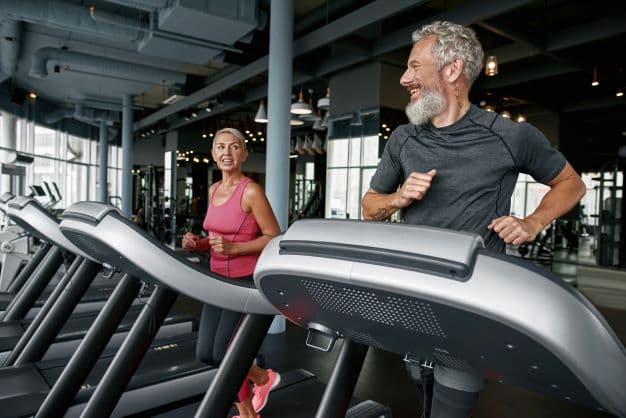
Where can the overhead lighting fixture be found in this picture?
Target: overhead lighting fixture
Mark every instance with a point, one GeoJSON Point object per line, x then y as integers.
{"type": "Point", "coordinates": [325, 121]}
{"type": "Point", "coordinates": [521, 118]}
{"type": "Point", "coordinates": [261, 114]}
{"type": "Point", "coordinates": [619, 92]}
{"type": "Point", "coordinates": [594, 77]}
{"type": "Point", "coordinates": [317, 126]}
{"type": "Point", "coordinates": [313, 116]}
{"type": "Point", "coordinates": [324, 102]}
{"type": "Point", "coordinates": [32, 95]}
{"type": "Point", "coordinates": [491, 68]}
{"type": "Point", "coordinates": [505, 114]}
{"type": "Point", "coordinates": [489, 108]}
{"type": "Point", "coordinates": [296, 122]}
{"type": "Point", "coordinates": [301, 107]}
{"type": "Point", "coordinates": [173, 99]}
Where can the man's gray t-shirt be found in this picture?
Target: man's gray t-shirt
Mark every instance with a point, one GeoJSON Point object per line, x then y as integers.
{"type": "Point", "coordinates": [478, 159]}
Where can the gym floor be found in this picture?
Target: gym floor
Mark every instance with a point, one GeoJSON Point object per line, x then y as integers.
{"type": "Point", "coordinates": [385, 380]}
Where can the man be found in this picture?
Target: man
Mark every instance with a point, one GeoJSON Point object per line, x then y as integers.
{"type": "Point", "coordinates": [455, 164]}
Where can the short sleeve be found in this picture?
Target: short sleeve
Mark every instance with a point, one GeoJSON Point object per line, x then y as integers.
{"type": "Point", "coordinates": [388, 175]}
{"type": "Point", "coordinates": [536, 156]}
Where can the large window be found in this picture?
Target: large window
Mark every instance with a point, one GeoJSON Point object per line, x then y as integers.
{"type": "Point", "coordinates": [69, 161]}
{"type": "Point", "coordinates": [352, 159]}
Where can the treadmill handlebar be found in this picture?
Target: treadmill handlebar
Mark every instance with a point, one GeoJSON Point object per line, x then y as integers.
{"type": "Point", "coordinates": [90, 212]}
{"type": "Point", "coordinates": [441, 251]}
{"type": "Point", "coordinates": [34, 218]}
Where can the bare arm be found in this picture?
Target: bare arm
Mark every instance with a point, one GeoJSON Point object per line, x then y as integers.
{"type": "Point", "coordinates": [380, 206]}
{"type": "Point", "coordinates": [256, 202]}
{"type": "Point", "coordinates": [566, 189]}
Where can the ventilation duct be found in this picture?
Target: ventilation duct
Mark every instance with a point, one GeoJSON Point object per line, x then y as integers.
{"type": "Point", "coordinates": [225, 22]}
{"type": "Point", "coordinates": [147, 5]}
{"type": "Point", "coordinates": [65, 16]}
{"type": "Point", "coordinates": [83, 114]}
{"type": "Point", "coordinates": [99, 66]}
{"type": "Point", "coordinates": [9, 46]}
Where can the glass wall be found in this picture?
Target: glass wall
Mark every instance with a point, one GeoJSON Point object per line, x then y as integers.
{"type": "Point", "coordinates": [352, 159]}
{"type": "Point", "coordinates": [67, 160]}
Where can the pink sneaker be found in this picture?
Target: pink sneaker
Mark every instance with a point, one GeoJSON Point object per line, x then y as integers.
{"type": "Point", "coordinates": [261, 392]}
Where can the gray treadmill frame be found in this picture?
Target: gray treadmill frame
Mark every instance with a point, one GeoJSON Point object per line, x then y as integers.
{"type": "Point", "coordinates": [104, 233]}
{"type": "Point", "coordinates": [502, 290]}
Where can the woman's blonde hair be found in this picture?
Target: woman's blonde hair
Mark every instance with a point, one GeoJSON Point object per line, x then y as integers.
{"type": "Point", "coordinates": [234, 132]}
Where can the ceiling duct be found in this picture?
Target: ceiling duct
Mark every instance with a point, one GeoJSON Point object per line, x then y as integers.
{"type": "Point", "coordinates": [9, 45]}
{"type": "Point", "coordinates": [225, 22]}
{"type": "Point", "coordinates": [99, 66]}
{"type": "Point", "coordinates": [83, 114]}
{"type": "Point", "coordinates": [147, 5]}
{"type": "Point", "coordinates": [65, 16]}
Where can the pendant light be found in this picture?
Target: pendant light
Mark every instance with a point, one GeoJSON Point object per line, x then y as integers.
{"type": "Point", "coordinates": [261, 114]}
{"type": "Point", "coordinates": [491, 68]}
{"type": "Point", "coordinates": [301, 107]}
{"type": "Point", "coordinates": [324, 102]}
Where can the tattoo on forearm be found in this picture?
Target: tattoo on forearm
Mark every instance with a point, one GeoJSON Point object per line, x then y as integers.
{"type": "Point", "coordinates": [380, 215]}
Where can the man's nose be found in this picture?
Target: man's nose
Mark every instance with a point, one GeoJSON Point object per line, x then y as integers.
{"type": "Point", "coordinates": [406, 78]}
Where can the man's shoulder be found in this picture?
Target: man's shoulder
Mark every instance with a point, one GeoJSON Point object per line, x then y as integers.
{"type": "Point", "coordinates": [498, 124]}
{"type": "Point", "coordinates": [403, 132]}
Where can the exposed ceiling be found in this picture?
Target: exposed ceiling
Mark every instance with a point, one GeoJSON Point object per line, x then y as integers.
{"type": "Point", "coordinates": [215, 52]}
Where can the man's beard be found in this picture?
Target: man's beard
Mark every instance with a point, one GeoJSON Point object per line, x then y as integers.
{"type": "Point", "coordinates": [430, 104]}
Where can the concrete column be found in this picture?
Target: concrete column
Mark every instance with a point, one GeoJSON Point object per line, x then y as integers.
{"type": "Point", "coordinates": [278, 128]}
{"type": "Point", "coordinates": [103, 161]}
{"type": "Point", "coordinates": [7, 140]}
{"type": "Point", "coordinates": [278, 104]}
{"type": "Point", "coordinates": [127, 154]}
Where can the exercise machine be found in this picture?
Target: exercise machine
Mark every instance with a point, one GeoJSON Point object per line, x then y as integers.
{"type": "Point", "coordinates": [110, 237]}
{"type": "Point", "coordinates": [440, 299]}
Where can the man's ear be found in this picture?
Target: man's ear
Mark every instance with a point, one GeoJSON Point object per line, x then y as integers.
{"type": "Point", "coordinates": [454, 70]}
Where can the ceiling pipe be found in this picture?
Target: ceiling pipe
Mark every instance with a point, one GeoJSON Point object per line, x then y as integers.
{"type": "Point", "coordinates": [146, 5]}
{"type": "Point", "coordinates": [109, 18]}
{"type": "Point", "coordinates": [10, 35]}
{"type": "Point", "coordinates": [100, 66]}
{"type": "Point", "coordinates": [66, 16]}
{"type": "Point", "coordinates": [83, 114]}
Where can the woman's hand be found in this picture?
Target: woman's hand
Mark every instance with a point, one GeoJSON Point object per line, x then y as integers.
{"type": "Point", "coordinates": [190, 241]}
{"type": "Point", "coordinates": [221, 245]}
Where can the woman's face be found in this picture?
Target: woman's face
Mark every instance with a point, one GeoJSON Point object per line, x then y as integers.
{"type": "Point", "coordinates": [228, 152]}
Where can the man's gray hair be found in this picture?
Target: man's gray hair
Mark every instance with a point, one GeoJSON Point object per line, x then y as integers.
{"type": "Point", "coordinates": [454, 41]}
{"type": "Point", "coordinates": [234, 132]}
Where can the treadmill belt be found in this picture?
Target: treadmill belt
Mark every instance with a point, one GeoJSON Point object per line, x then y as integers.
{"type": "Point", "coordinates": [170, 359]}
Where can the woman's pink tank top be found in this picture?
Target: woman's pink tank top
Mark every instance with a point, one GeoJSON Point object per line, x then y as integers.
{"type": "Point", "coordinates": [231, 222]}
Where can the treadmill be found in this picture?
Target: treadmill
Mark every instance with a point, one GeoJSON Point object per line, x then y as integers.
{"type": "Point", "coordinates": [107, 235]}
{"type": "Point", "coordinates": [440, 299]}
{"type": "Point", "coordinates": [14, 246]}
{"type": "Point", "coordinates": [24, 385]}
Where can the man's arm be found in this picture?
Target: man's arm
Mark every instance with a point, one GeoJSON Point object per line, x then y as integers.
{"type": "Point", "coordinates": [380, 206]}
{"type": "Point", "coordinates": [566, 189]}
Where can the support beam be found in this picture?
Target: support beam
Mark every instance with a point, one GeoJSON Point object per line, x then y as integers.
{"type": "Point", "coordinates": [127, 155]}
{"type": "Point", "coordinates": [103, 159]}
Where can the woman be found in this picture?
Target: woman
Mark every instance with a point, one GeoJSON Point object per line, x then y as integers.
{"type": "Point", "coordinates": [240, 223]}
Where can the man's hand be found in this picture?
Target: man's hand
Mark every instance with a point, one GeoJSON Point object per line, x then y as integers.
{"type": "Point", "coordinates": [221, 245]}
{"type": "Point", "coordinates": [414, 188]}
{"type": "Point", "coordinates": [515, 230]}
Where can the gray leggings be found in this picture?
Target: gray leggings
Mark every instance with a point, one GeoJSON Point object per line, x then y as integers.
{"type": "Point", "coordinates": [217, 328]}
